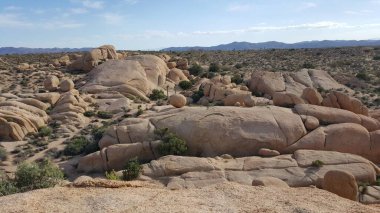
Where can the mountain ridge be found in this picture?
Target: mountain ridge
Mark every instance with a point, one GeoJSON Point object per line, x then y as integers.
{"type": "Point", "coordinates": [27, 50]}
{"type": "Point", "coordinates": [279, 45]}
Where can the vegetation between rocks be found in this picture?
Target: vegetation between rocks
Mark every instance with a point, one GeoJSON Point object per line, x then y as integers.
{"type": "Point", "coordinates": [171, 143]}
{"type": "Point", "coordinates": [131, 170]}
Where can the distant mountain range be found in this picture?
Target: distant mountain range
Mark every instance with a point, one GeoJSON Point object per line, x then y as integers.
{"type": "Point", "coordinates": [280, 45]}
{"type": "Point", "coordinates": [25, 50]}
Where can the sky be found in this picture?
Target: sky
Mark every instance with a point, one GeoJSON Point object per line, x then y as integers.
{"type": "Point", "coordinates": [155, 24]}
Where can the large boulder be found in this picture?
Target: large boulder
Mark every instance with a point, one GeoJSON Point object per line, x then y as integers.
{"type": "Point", "coordinates": [343, 101]}
{"type": "Point", "coordinates": [136, 76]}
{"type": "Point", "coordinates": [93, 58]}
{"type": "Point", "coordinates": [312, 96]}
{"type": "Point", "coordinates": [341, 183]}
{"type": "Point", "coordinates": [177, 100]}
{"type": "Point", "coordinates": [66, 85]}
{"type": "Point", "coordinates": [267, 82]}
{"type": "Point", "coordinates": [51, 83]}
{"type": "Point", "coordinates": [176, 75]}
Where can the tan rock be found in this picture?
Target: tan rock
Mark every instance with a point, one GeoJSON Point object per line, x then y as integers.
{"type": "Point", "coordinates": [66, 85]}
{"type": "Point", "coordinates": [269, 181]}
{"type": "Point", "coordinates": [177, 75]}
{"type": "Point", "coordinates": [341, 183]}
{"type": "Point", "coordinates": [51, 83]}
{"type": "Point", "coordinates": [177, 100]}
{"type": "Point", "coordinates": [171, 65]}
{"type": "Point", "coordinates": [268, 152]}
{"type": "Point", "coordinates": [267, 82]}
{"type": "Point", "coordinates": [312, 96]}
{"type": "Point", "coordinates": [311, 123]}
{"type": "Point", "coordinates": [286, 99]}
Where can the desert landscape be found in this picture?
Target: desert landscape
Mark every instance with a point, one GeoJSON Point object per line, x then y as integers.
{"type": "Point", "coordinates": [179, 124]}
{"type": "Point", "coordinates": [190, 106]}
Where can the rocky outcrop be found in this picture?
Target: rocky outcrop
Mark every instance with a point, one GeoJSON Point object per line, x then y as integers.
{"type": "Point", "coordinates": [136, 76]}
{"type": "Point", "coordinates": [340, 100]}
{"type": "Point", "coordinates": [176, 75]}
{"type": "Point", "coordinates": [17, 119]}
{"type": "Point", "coordinates": [341, 183]}
{"type": "Point", "coordinates": [93, 58]}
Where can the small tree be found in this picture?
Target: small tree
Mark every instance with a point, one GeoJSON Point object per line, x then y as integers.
{"type": "Point", "coordinates": [185, 85]}
{"type": "Point", "coordinates": [214, 67]}
{"type": "Point", "coordinates": [171, 143]}
{"type": "Point", "coordinates": [132, 169]}
{"type": "Point", "coordinates": [157, 95]}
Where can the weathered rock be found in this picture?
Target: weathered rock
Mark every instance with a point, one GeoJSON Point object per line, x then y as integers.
{"type": "Point", "coordinates": [341, 183]}
{"type": "Point", "coordinates": [177, 75]}
{"type": "Point", "coordinates": [93, 58]}
{"type": "Point", "coordinates": [171, 65]}
{"type": "Point", "coordinates": [312, 96]}
{"type": "Point", "coordinates": [269, 181]}
{"type": "Point", "coordinates": [66, 85]}
{"type": "Point", "coordinates": [183, 64]}
{"type": "Point", "coordinates": [51, 83]}
{"type": "Point", "coordinates": [267, 82]}
{"type": "Point", "coordinates": [342, 101]}
{"type": "Point", "coordinates": [268, 152]}
{"type": "Point", "coordinates": [51, 97]}
{"type": "Point", "coordinates": [311, 123]}
{"type": "Point", "coordinates": [177, 100]}
{"type": "Point", "coordinates": [286, 99]}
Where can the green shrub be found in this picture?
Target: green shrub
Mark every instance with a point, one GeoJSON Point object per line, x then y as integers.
{"type": "Point", "coordinates": [237, 79]}
{"type": "Point", "coordinates": [197, 95]}
{"type": "Point", "coordinates": [132, 169]}
{"type": "Point", "coordinates": [112, 175]}
{"type": "Point", "coordinates": [157, 95]}
{"type": "Point", "coordinates": [89, 113]}
{"type": "Point", "coordinates": [171, 144]}
{"type": "Point", "coordinates": [377, 57]}
{"type": "Point", "coordinates": [7, 186]}
{"type": "Point", "coordinates": [214, 67]}
{"type": "Point", "coordinates": [317, 163]}
{"type": "Point", "coordinates": [91, 147]}
{"type": "Point", "coordinates": [97, 132]}
{"type": "Point", "coordinates": [76, 146]}
{"type": "Point", "coordinates": [30, 176]}
{"type": "Point", "coordinates": [104, 115]}
{"type": "Point", "coordinates": [363, 76]}
{"type": "Point", "coordinates": [185, 85]}
{"type": "Point", "coordinates": [196, 70]}
{"type": "Point", "coordinates": [308, 65]}
{"type": "Point", "coordinates": [3, 154]}
{"type": "Point", "coordinates": [44, 131]}
{"type": "Point", "coordinates": [238, 66]}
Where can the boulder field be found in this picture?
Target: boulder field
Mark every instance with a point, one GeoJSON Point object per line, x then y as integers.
{"type": "Point", "coordinates": [240, 132]}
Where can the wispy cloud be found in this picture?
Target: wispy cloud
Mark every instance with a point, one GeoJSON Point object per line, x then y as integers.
{"type": "Point", "coordinates": [9, 20]}
{"type": "Point", "coordinates": [91, 4]}
{"type": "Point", "coordinates": [111, 18]}
{"type": "Point", "coordinates": [131, 2]}
{"type": "Point", "coordinates": [307, 26]}
{"type": "Point", "coordinates": [239, 7]}
{"type": "Point", "coordinates": [12, 8]}
{"type": "Point", "coordinates": [307, 5]}
{"type": "Point", "coordinates": [78, 10]}
{"type": "Point", "coordinates": [358, 12]}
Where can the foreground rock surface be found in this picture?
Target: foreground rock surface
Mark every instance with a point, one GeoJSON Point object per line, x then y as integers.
{"type": "Point", "coordinates": [225, 197]}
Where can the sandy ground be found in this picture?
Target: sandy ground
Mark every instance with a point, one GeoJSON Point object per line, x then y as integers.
{"type": "Point", "coordinates": [225, 197]}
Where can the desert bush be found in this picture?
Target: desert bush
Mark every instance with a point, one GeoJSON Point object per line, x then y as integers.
{"type": "Point", "coordinates": [237, 79]}
{"type": "Point", "coordinates": [196, 70]}
{"type": "Point", "coordinates": [308, 65]}
{"type": "Point", "coordinates": [44, 131]}
{"type": "Point", "coordinates": [171, 143]}
{"type": "Point", "coordinates": [30, 176]}
{"type": "Point", "coordinates": [111, 175]}
{"type": "Point", "coordinates": [214, 67]}
{"type": "Point", "coordinates": [76, 146]}
{"type": "Point", "coordinates": [238, 66]}
{"type": "Point", "coordinates": [185, 85]}
{"type": "Point", "coordinates": [7, 186]}
{"type": "Point", "coordinates": [104, 115]}
{"type": "Point", "coordinates": [97, 132]}
{"type": "Point", "coordinates": [363, 76]}
{"type": "Point", "coordinates": [3, 154]}
{"type": "Point", "coordinates": [317, 163]}
{"type": "Point", "coordinates": [157, 95]}
{"type": "Point", "coordinates": [89, 113]}
{"type": "Point", "coordinates": [197, 95]}
{"type": "Point", "coordinates": [376, 57]}
{"type": "Point", "coordinates": [131, 170]}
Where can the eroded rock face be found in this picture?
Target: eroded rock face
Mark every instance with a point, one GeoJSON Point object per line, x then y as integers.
{"type": "Point", "coordinates": [341, 183]}
{"type": "Point", "coordinates": [340, 100]}
{"type": "Point", "coordinates": [93, 58]}
{"type": "Point", "coordinates": [177, 100]}
{"type": "Point", "coordinates": [135, 76]}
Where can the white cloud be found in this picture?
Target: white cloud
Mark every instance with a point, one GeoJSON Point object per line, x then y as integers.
{"type": "Point", "coordinates": [8, 20]}
{"type": "Point", "coordinates": [114, 19]}
{"type": "Point", "coordinates": [358, 12]}
{"type": "Point", "coordinates": [78, 10]}
{"type": "Point", "coordinates": [307, 26]}
{"type": "Point", "coordinates": [131, 2]}
{"type": "Point", "coordinates": [12, 8]}
{"type": "Point", "coordinates": [307, 5]}
{"type": "Point", "coordinates": [61, 25]}
{"type": "Point", "coordinates": [91, 4]}
{"type": "Point", "coordinates": [239, 7]}
{"type": "Point", "coordinates": [38, 11]}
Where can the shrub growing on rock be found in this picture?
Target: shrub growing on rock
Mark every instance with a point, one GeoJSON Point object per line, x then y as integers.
{"type": "Point", "coordinates": [44, 131]}
{"type": "Point", "coordinates": [89, 113]}
{"type": "Point", "coordinates": [197, 95]}
{"type": "Point", "coordinates": [97, 132]}
{"type": "Point", "coordinates": [185, 85]}
{"type": "Point", "coordinates": [237, 79]}
{"type": "Point", "coordinates": [104, 115]}
{"type": "Point", "coordinates": [157, 95]}
{"type": "Point", "coordinates": [132, 169]}
{"type": "Point", "coordinates": [76, 146]}
{"type": "Point", "coordinates": [196, 70]}
{"type": "Point", "coordinates": [171, 143]}
{"type": "Point", "coordinates": [214, 67]}
{"type": "Point", "coordinates": [111, 175]}
{"type": "Point", "coordinates": [3, 154]}
{"type": "Point", "coordinates": [317, 163]}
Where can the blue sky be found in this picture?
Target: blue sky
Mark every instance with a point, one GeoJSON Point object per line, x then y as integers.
{"type": "Point", "coordinates": [154, 24]}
